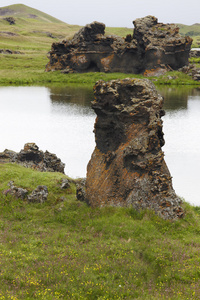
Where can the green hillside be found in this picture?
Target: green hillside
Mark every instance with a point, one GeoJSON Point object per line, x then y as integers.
{"type": "Point", "coordinates": [193, 31]}
{"type": "Point", "coordinates": [31, 23]}
{"type": "Point", "coordinates": [32, 36]}
{"type": "Point", "coordinates": [23, 11]}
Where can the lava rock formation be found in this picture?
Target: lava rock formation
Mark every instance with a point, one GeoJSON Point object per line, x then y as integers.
{"type": "Point", "coordinates": [127, 167]}
{"type": "Point", "coordinates": [153, 45]}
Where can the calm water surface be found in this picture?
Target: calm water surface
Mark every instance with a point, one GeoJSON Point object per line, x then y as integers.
{"type": "Point", "coordinates": [61, 121]}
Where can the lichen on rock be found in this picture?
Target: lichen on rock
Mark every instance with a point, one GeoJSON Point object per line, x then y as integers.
{"type": "Point", "coordinates": [127, 167]}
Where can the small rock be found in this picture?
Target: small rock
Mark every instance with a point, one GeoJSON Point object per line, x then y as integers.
{"type": "Point", "coordinates": [65, 184]}
{"type": "Point", "coordinates": [39, 195]}
{"type": "Point", "coordinates": [10, 20]}
{"type": "Point", "coordinates": [80, 191]}
{"type": "Point", "coordinates": [15, 191]}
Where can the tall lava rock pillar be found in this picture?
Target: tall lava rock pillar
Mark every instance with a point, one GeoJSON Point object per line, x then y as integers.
{"type": "Point", "coordinates": [127, 167]}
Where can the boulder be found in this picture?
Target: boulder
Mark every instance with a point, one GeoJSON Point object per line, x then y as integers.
{"type": "Point", "coordinates": [39, 195]}
{"type": "Point", "coordinates": [32, 157]}
{"type": "Point", "coordinates": [17, 192]}
{"type": "Point", "coordinates": [80, 190]}
{"type": "Point", "coordinates": [127, 167]}
{"type": "Point", "coordinates": [7, 155]}
{"type": "Point", "coordinates": [65, 184]}
{"type": "Point", "coordinates": [10, 20]}
{"type": "Point", "coordinates": [192, 71]}
{"type": "Point", "coordinates": [152, 45]}
{"type": "Point", "coordinates": [195, 53]}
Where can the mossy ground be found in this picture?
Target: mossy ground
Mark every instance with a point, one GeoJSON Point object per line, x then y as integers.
{"type": "Point", "coordinates": [63, 249]}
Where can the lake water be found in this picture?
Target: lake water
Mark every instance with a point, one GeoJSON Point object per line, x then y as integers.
{"type": "Point", "coordinates": [60, 120]}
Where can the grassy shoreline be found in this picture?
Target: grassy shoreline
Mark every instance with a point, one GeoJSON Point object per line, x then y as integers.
{"type": "Point", "coordinates": [63, 249]}
{"type": "Point", "coordinates": [33, 39]}
{"type": "Point", "coordinates": [29, 69]}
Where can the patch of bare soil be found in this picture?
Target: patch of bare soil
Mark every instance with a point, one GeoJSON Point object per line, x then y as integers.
{"type": "Point", "coordinates": [6, 11]}
{"type": "Point", "coordinates": [8, 33]}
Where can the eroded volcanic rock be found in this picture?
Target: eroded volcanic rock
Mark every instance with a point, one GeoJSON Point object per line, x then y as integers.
{"type": "Point", "coordinates": [32, 157]}
{"type": "Point", "coordinates": [127, 167]}
{"type": "Point", "coordinates": [153, 45]}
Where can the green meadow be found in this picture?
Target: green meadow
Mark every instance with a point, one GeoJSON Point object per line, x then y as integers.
{"type": "Point", "coordinates": [63, 249]}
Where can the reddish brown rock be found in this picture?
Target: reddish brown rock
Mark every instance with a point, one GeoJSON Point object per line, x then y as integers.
{"type": "Point", "coordinates": [127, 167]}
{"type": "Point", "coordinates": [153, 45]}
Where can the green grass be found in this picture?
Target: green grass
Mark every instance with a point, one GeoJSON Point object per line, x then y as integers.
{"type": "Point", "coordinates": [193, 31]}
{"type": "Point", "coordinates": [21, 10]}
{"type": "Point", "coordinates": [33, 40]}
{"type": "Point", "coordinates": [63, 249]}
{"type": "Point", "coordinates": [120, 31]}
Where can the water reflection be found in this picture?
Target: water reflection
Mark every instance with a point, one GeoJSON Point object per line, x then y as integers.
{"type": "Point", "coordinates": [181, 128]}
{"type": "Point", "coordinates": [71, 94]}
{"type": "Point", "coordinates": [60, 120]}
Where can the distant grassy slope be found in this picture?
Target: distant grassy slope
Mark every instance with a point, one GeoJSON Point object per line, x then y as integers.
{"type": "Point", "coordinates": [190, 30]}
{"type": "Point", "coordinates": [33, 34]}
{"type": "Point", "coordinates": [193, 31]}
{"type": "Point", "coordinates": [23, 11]}
{"type": "Point", "coordinates": [120, 31]}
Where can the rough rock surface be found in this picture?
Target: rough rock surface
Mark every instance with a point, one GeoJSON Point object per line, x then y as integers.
{"type": "Point", "coordinates": [65, 184]}
{"type": "Point", "coordinates": [153, 45]}
{"type": "Point", "coordinates": [8, 51]}
{"type": "Point", "coordinates": [10, 20]}
{"type": "Point", "coordinates": [127, 167]}
{"type": "Point", "coordinates": [16, 191]}
{"type": "Point", "coordinates": [39, 195]}
{"type": "Point", "coordinates": [192, 71]}
{"type": "Point", "coordinates": [80, 190]}
{"type": "Point", "coordinates": [195, 53]}
{"type": "Point", "coordinates": [32, 157]}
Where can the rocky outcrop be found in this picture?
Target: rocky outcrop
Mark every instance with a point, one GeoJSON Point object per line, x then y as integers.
{"type": "Point", "coordinates": [15, 191]}
{"type": "Point", "coordinates": [192, 71]}
{"type": "Point", "coordinates": [10, 20]}
{"type": "Point", "coordinates": [80, 190]}
{"type": "Point", "coordinates": [153, 45]}
{"type": "Point", "coordinates": [8, 51]}
{"type": "Point", "coordinates": [195, 53]}
{"type": "Point", "coordinates": [127, 167]}
{"type": "Point", "coordinates": [32, 157]}
{"type": "Point", "coordinates": [39, 195]}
